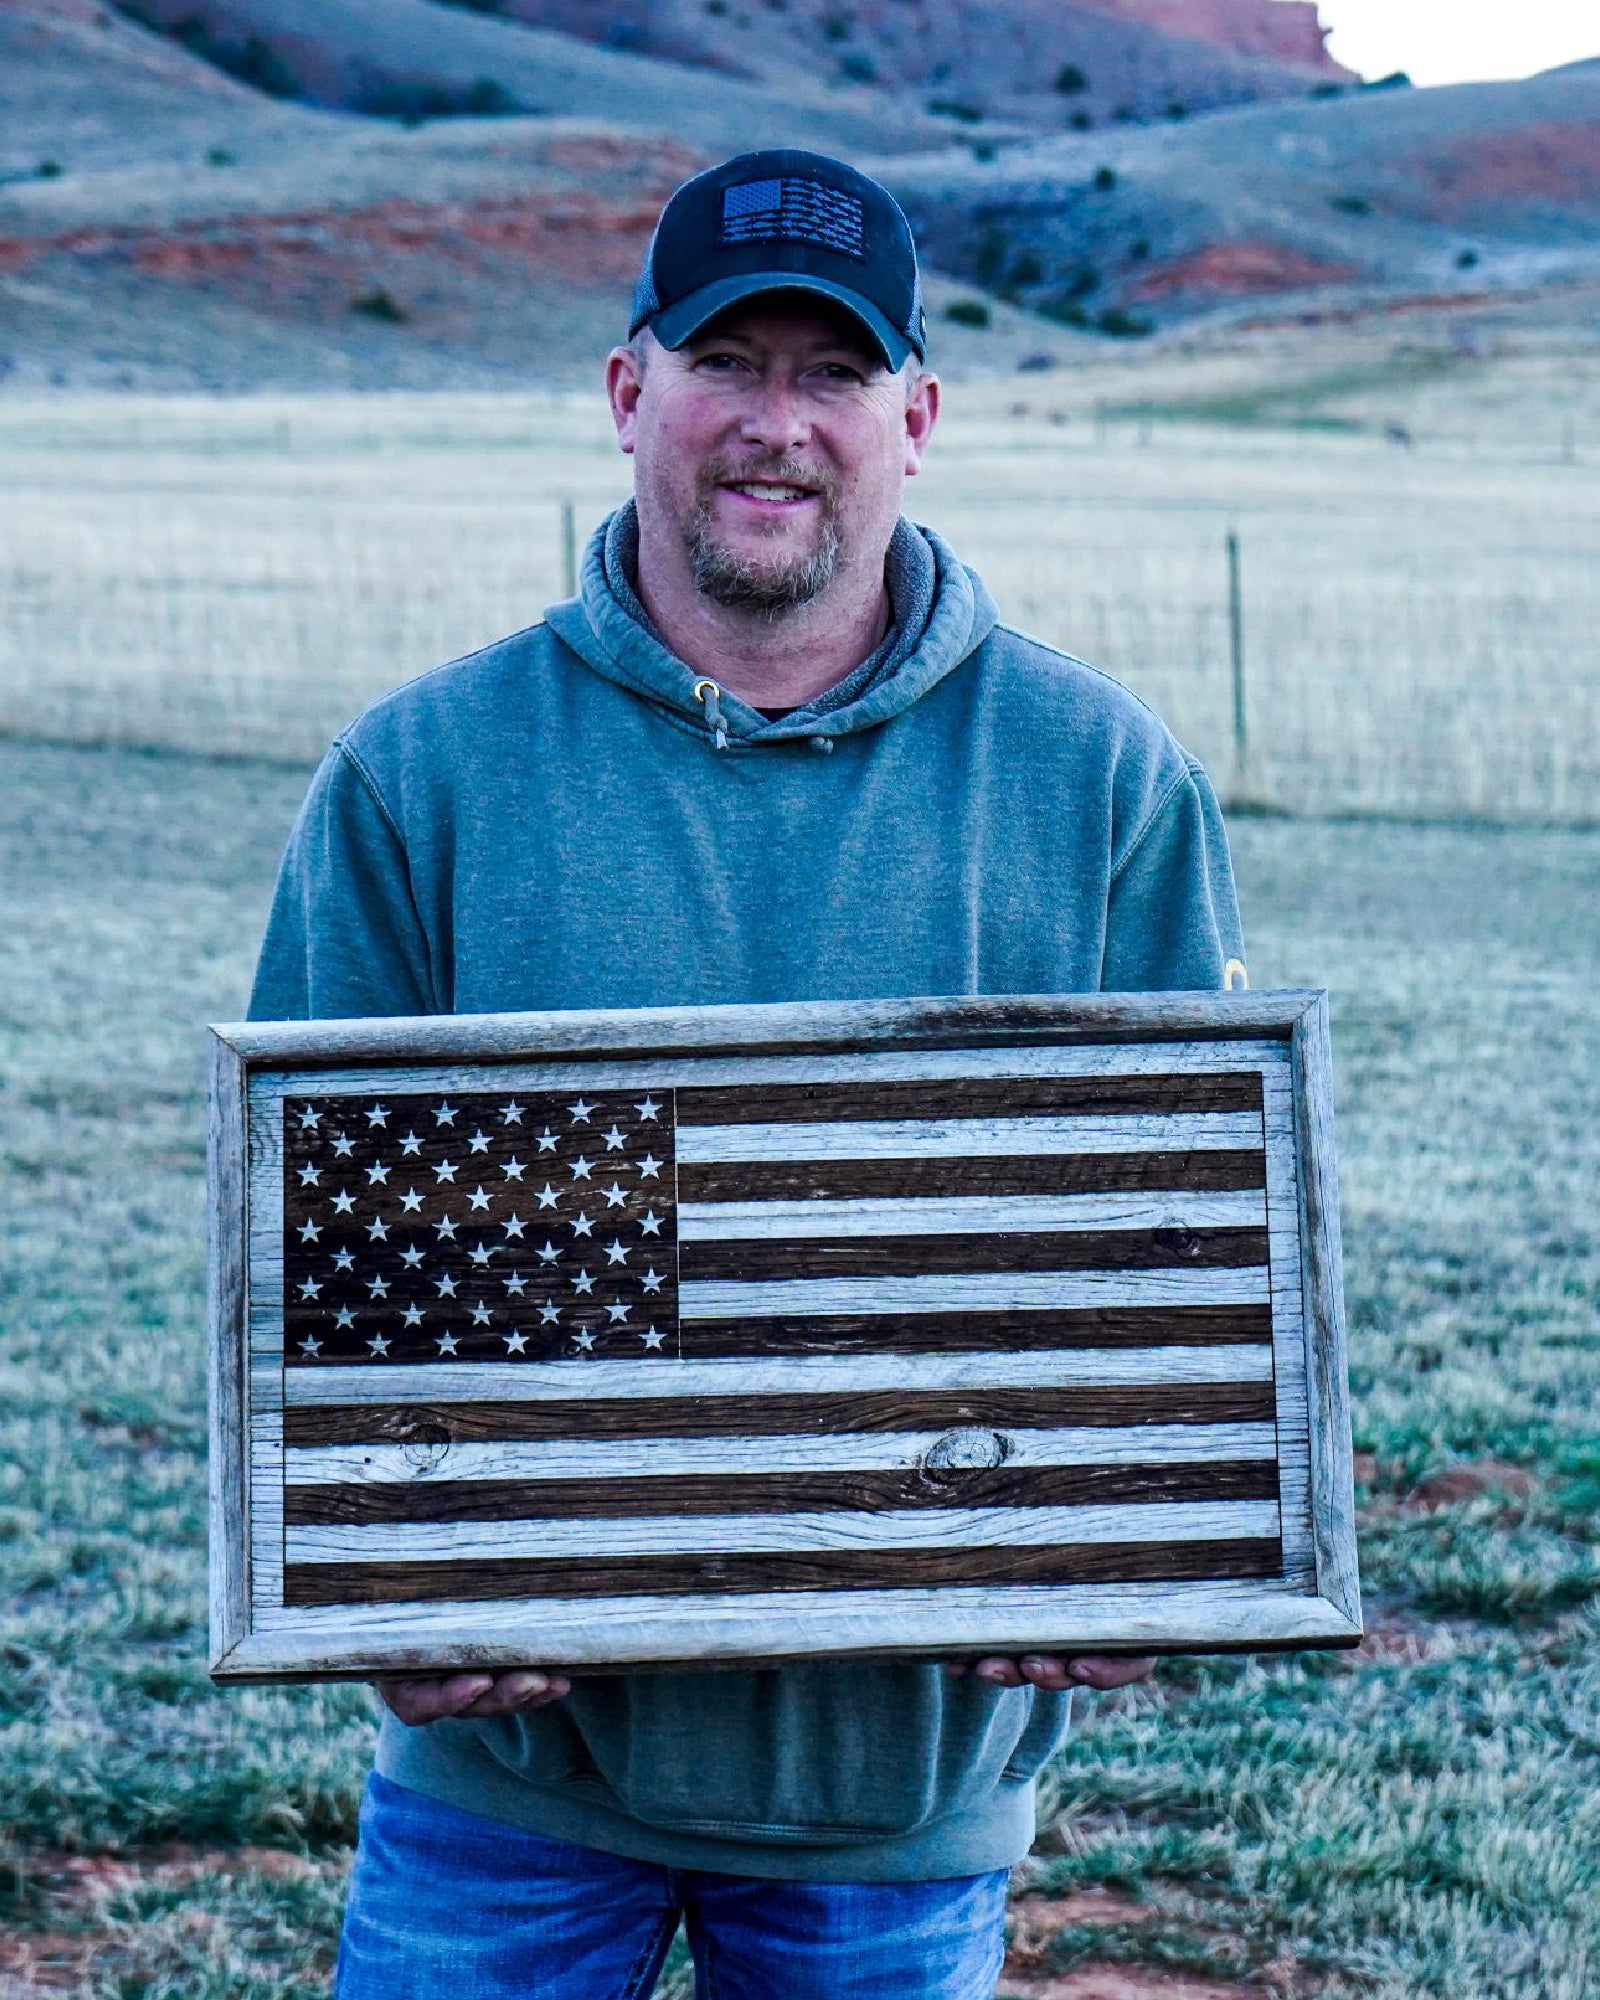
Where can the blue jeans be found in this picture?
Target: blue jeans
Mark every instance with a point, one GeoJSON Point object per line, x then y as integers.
{"type": "Point", "coordinates": [445, 1905]}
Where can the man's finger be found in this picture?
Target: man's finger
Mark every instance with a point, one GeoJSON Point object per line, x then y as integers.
{"type": "Point", "coordinates": [1103, 1671]}
{"type": "Point", "coordinates": [430, 1698]}
{"type": "Point", "coordinates": [522, 1690]}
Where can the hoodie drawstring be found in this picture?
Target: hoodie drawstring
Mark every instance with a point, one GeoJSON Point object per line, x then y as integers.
{"type": "Point", "coordinates": [709, 695]}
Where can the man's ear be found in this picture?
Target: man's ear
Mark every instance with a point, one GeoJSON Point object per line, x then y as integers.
{"type": "Point", "coordinates": [624, 385]}
{"type": "Point", "coordinates": [922, 413]}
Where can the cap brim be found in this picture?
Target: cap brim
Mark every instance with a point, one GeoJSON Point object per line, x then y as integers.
{"type": "Point", "coordinates": [680, 322]}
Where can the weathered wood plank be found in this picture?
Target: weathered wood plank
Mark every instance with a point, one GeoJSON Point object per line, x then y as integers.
{"type": "Point", "coordinates": [974, 1138]}
{"type": "Point", "coordinates": [972, 1097]}
{"type": "Point", "coordinates": [745, 1382]}
{"type": "Point", "coordinates": [838, 1569]}
{"type": "Point", "coordinates": [755, 1260]}
{"type": "Point", "coordinates": [227, 1232]}
{"type": "Point", "coordinates": [432, 1460]}
{"type": "Point", "coordinates": [811, 1027]}
{"type": "Point", "coordinates": [1130, 1616]}
{"type": "Point", "coordinates": [1034, 1332]}
{"type": "Point", "coordinates": [711, 1222]}
{"type": "Point", "coordinates": [744, 1493]}
{"type": "Point", "coordinates": [995, 1178]}
{"type": "Point", "coordinates": [1316, 1160]}
{"type": "Point", "coordinates": [722, 1298]}
{"type": "Point", "coordinates": [531, 1419]}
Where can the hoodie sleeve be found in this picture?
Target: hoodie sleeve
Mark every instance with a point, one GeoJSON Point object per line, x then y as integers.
{"type": "Point", "coordinates": [1173, 920]}
{"type": "Point", "coordinates": [343, 938]}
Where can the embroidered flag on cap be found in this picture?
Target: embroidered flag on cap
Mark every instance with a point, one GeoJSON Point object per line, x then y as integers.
{"type": "Point", "coordinates": [791, 210]}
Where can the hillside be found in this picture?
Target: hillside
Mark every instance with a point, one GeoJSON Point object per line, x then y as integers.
{"type": "Point", "coordinates": [1445, 194]}
{"type": "Point", "coordinates": [165, 223]}
{"type": "Point", "coordinates": [1046, 65]}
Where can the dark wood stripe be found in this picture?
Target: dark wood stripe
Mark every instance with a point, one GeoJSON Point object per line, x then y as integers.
{"type": "Point", "coordinates": [971, 1097]}
{"type": "Point", "coordinates": [754, 1259]}
{"type": "Point", "coordinates": [436, 1499]}
{"type": "Point", "coordinates": [780, 1416]}
{"type": "Point", "coordinates": [1202, 1172]}
{"type": "Point", "coordinates": [971, 1332]}
{"type": "Point", "coordinates": [739, 1574]}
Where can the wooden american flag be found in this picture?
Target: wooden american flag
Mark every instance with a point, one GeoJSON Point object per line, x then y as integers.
{"type": "Point", "coordinates": [775, 1346]}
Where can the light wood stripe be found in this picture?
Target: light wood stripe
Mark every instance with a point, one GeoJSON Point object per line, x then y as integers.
{"type": "Point", "coordinates": [819, 1375]}
{"type": "Point", "coordinates": [745, 1493]}
{"type": "Point", "coordinates": [1120, 1251]}
{"type": "Point", "coordinates": [772, 1571]}
{"type": "Point", "coordinates": [1016, 1096]}
{"type": "Point", "coordinates": [729, 1534]}
{"type": "Point", "coordinates": [931, 1332]}
{"type": "Point", "coordinates": [968, 1138]}
{"type": "Point", "coordinates": [610, 1462]}
{"type": "Point", "coordinates": [785, 1416]}
{"type": "Point", "coordinates": [979, 1292]}
{"type": "Point", "coordinates": [713, 1222]}
{"type": "Point", "coordinates": [1021, 1174]}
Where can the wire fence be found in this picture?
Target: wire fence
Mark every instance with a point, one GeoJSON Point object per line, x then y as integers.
{"type": "Point", "coordinates": [226, 580]}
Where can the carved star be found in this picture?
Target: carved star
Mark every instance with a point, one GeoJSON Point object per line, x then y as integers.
{"type": "Point", "coordinates": [445, 1227]}
{"type": "Point", "coordinates": [616, 1253]}
{"type": "Point", "coordinates": [411, 1256]}
{"type": "Point", "coordinates": [343, 1259]}
{"type": "Point", "coordinates": [478, 1199]}
{"type": "Point", "coordinates": [378, 1344]}
{"type": "Point", "coordinates": [516, 1284]}
{"type": "Point", "coordinates": [615, 1140]}
{"type": "Point", "coordinates": [412, 1315]}
{"type": "Point", "coordinates": [582, 1226]}
{"type": "Point", "coordinates": [480, 1314]}
{"type": "Point", "coordinates": [649, 1166]}
{"type": "Point", "coordinates": [310, 1231]}
{"type": "Point", "coordinates": [446, 1343]}
{"type": "Point", "coordinates": [482, 1254]}
{"type": "Point", "coordinates": [549, 1254]}
{"type": "Point", "coordinates": [310, 1175]}
{"type": "Point", "coordinates": [378, 1115]}
{"type": "Point", "coordinates": [616, 1197]}
{"type": "Point", "coordinates": [378, 1287]}
{"type": "Point", "coordinates": [446, 1114]}
{"type": "Point", "coordinates": [513, 1226]}
{"type": "Point", "coordinates": [411, 1143]}
{"type": "Point", "coordinates": [616, 1312]}
{"type": "Point", "coordinates": [652, 1336]}
{"type": "Point", "coordinates": [446, 1286]}
{"type": "Point", "coordinates": [378, 1229]}
{"type": "Point", "coordinates": [344, 1317]}
{"type": "Point", "coordinates": [478, 1143]}
{"type": "Point", "coordinates": [547, 1141]}
{"type": "Point", "coordinates": [547, 1196]}
{"type": "Point", "coordinates": [411, 1201]}
{"type": "Point", "coordinates": [377, 1175]}
{"type": "Point", "coordinates": [445, 1171]}
{"type": "Point", "coordinates": [516, 1342]}
{"type": "Point", "coordinates": [309, 1119]}
{"type": "Point", "coordinates": [310, 1288]}
{"type": "Point", "coordinates": [343, 1203]}
{"type": "Point", "coordinates": [581, 1169]}
{"type": "Point", "coordinates": [311, 1345]}
{"type": "Point", "coordinates": [549, 1314]}
{"type": "Point", "coordinates": [651, 1281]}
{"type": "Point", "coordinates": [343, 1146]}
{"type": "Point", "coordinates": [583, 1282]}
{"type": "Point", "coordinates": [511, 1113]}
{"type": "Point", "coordinates": [579, 1112]}
{"type": "Point", "coordinates": [648, 1109]}
{"type": "Point", "coordinates": [583, 1338]}
{"type": "Point", "coordinates": [513, 1170]}
{"type": "Point", "coordinates": [650, 1223]}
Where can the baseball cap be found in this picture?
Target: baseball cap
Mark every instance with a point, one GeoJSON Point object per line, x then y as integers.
{"type": "Point", "coordinates": [782, 221]}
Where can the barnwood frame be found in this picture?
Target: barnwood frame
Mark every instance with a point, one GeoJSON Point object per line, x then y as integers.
{"type": "Point", "coordinates": [258, 1063]}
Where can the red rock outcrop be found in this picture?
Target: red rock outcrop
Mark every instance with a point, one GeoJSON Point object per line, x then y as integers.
{"type": "Point", "coordinates": [1288, 31]}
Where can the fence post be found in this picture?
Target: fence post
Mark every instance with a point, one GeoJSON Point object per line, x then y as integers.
{"type": "Point", "coordinates": [1241, 723]}
{"type": "Point", "coordinates": [569, 551]}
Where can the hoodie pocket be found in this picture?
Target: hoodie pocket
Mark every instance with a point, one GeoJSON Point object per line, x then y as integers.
{"type": "Point", "coordinates": [805, 1754]}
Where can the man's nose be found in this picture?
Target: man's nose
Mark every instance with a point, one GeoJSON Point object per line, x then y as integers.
{"type": "Point", "coordinates": [776, 417]}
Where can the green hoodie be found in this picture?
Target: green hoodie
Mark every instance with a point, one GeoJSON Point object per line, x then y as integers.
{"type": "Point", "coordinates": [558, 822]}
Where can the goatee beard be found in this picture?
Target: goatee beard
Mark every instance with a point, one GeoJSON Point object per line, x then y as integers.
{"type": "Point", "coordinates": [767, 588]}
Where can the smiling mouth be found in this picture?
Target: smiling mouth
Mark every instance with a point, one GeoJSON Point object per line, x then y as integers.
{"type": "Point", "coordinates": [776, 492]}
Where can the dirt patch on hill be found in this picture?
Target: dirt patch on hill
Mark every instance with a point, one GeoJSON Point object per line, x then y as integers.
{"type": "Point", "coordinates": [1239, 270]}
{"type": "Point", "coordinates": [1555, 163]}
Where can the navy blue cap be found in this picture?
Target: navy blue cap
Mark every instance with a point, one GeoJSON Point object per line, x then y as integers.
{"type": "Point", "coordinates": [783, 221]}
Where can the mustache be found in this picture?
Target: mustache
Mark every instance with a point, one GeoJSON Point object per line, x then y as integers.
{"type": "Point", "coordinates": [779, 471]}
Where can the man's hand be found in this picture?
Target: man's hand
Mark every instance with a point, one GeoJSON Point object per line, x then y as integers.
{"type": "Point", "coordinates": [1042, 1670]}
{"type": "Point", "coordinates": [434, 1698]}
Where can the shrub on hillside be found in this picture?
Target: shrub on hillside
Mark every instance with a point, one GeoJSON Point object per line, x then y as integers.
{"type": "Point", "coordinates": [1070, 79]}
{"type": "Point", "coordinates": [1105, 180]}
{"type": "Point", "coordinates": [968, 312]}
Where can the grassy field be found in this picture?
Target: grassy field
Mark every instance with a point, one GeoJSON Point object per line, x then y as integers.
{"type": "Point", "coordinates": [1419, 618]}
{"type": "Point", "coordinates": [1421, 1819]}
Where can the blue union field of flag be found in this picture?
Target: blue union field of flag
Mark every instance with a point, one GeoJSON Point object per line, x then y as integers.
{"type": "Point", "coordinates": [619, 1354]}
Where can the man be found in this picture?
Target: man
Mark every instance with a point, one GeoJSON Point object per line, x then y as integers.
{"type": "Point", "coordinates": [779, 748]}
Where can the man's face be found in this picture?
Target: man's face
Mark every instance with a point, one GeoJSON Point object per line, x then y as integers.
{"type": "Point", "coordinates": [773, 448]}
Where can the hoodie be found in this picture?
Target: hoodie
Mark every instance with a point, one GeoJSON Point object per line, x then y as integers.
{"type": "Point", "coordinates": [563, 821]}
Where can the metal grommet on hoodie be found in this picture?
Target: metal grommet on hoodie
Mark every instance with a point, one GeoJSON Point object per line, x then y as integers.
{"type": "Point", "coordinates": [822, 743]}
{"type": "Point", "coordinates": [709, 695]}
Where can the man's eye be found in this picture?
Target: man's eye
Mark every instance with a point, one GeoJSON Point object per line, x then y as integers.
{"type": "Point", "coordinates": [841, 371]}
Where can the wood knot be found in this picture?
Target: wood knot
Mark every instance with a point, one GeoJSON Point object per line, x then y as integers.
{"type": "Point", "coordinates": [962, 1451]}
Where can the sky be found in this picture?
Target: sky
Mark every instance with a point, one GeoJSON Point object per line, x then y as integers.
{"type": "Point", "coordinates": [1461, 41]}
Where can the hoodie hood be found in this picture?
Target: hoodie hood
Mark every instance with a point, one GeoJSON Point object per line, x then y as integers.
{"type": "Point", "coordinates": [949, 621]}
